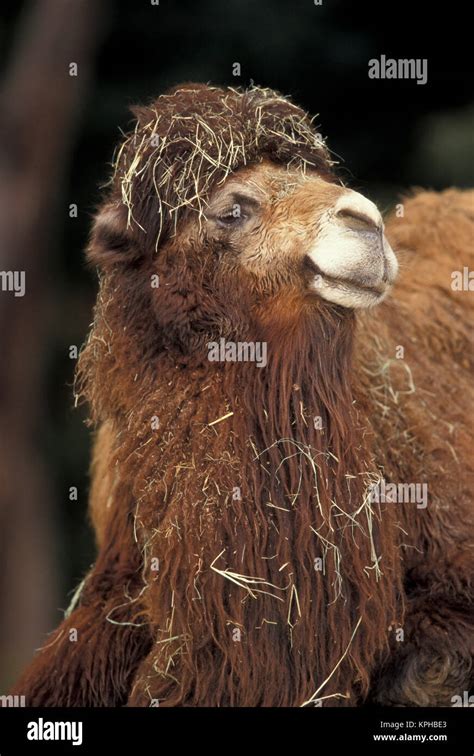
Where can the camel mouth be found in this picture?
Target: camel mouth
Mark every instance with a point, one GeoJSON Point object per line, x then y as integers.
{"type": "Point", "coordinates": [348, 291]}
{"type": "Point", "coordinates": [361, 287]}
{"type": "Point", "coordinates": [350, 283]}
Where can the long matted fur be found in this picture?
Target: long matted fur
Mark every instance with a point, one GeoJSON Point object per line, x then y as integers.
{"type": "Point", "coordinates": [241, 559]}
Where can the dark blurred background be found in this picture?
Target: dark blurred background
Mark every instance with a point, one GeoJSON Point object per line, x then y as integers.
{"type": "Point", "coordinates": [57, 136]}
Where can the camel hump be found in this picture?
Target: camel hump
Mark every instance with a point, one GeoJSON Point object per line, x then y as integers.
{"type": "Point", "coordinates": [435, 226]}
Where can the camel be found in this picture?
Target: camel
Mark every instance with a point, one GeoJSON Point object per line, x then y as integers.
{"type": "Point", "coordinates": [248, 554]}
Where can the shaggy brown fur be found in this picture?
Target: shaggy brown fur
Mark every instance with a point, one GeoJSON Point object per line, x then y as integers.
{"type": "Point", "coordinates": [240, 560]}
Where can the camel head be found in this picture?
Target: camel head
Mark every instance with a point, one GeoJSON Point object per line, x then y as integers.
{"type": "Point", "coordinates": [228, 199]}
{"type": "Point", "coordinates": [289, 228]}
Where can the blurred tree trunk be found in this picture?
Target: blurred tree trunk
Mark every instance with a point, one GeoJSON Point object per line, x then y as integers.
{"type": "Point", "coordinates": [39, 109]}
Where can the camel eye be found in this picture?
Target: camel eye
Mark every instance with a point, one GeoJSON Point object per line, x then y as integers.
{"type": "Point", "coordinates": [236, 210]}
{"type": "Point", "coordinates": [233, 216]}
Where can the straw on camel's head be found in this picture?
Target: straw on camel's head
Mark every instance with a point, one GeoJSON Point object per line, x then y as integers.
{"type": "Point", "coordinates": [190, 139]}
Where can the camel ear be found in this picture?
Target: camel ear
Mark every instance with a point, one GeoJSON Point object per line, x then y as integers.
{"type": "Point", "coordinates": [111, 241]}
{"type": "Point", "coordinates": [142, 113]}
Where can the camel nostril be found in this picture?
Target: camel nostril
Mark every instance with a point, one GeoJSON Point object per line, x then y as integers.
{"type": "Point", "coordinates": [358, 221]}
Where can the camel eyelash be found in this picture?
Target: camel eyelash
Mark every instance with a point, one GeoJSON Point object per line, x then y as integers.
{"type": "Point", "coordinates": [239, 211]}
{"type": "Point", "coordinates": [230, 218]}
